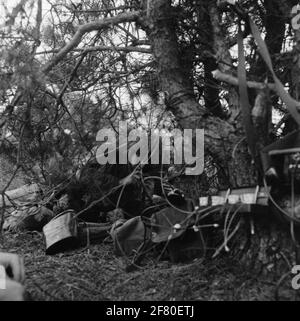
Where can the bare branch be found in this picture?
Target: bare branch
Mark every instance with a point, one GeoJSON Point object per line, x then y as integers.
{"type": "Point", "coordinates": [19, 8]}
{"type": "Point", "coordinates": [103, 48]}
{"type": "Point", "coordinates": [83, 29]}
{"type": "Point", "coordinates": [124, 49]}
{"type": "Point", "coordinates": [104, 9]}
{"type": "Point", "coordinates": [217, 74]}
{"type": "Point", "coordinates": [37, 30]}
{"type": "Point", "coordinates": [38, 21]}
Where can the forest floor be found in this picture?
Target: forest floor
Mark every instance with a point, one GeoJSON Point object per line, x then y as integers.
{"type": "Point", "coordinates": [95, 273]}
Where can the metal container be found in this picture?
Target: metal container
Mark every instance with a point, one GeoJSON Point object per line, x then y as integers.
{"type": "Point", "coordinates": [61, 233]}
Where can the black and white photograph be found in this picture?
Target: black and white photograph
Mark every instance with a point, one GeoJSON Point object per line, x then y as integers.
{"type": "Point", "coordinates": [149, 153]}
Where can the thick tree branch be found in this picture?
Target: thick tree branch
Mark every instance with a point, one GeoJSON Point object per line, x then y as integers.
{"type": "Point", "coordinates": [102, 48]}
{"type": "Point", "coordinates": [229, 79]}
{"type": "Point", "coordinates": [262, 118]}
{"type": "Point", "coordinates": [222, 53]}
{"type": "Point", "coordinates": [83, 29]}
{"type": "Point", "coordinates": [105, 9]}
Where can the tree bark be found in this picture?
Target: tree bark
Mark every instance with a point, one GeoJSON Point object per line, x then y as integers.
{"type": "Point", "coordinates": [211, 90]}
{"type": "Point", "coordinates": [223, 140]}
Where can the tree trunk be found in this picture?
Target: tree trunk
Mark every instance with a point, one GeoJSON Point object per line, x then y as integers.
{"type": "Point", "coordinates": [223, 139]}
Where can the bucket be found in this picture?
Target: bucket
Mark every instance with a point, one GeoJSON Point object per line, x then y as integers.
{"type": "Point", "coordinates": [61, 233]}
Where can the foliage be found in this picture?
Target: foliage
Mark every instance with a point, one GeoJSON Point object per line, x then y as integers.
{"type": "Point", "coordinates": [111, 75]}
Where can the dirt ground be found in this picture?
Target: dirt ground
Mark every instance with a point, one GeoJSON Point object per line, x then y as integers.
{"type": "Point", "coordinates": [95, 273]}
